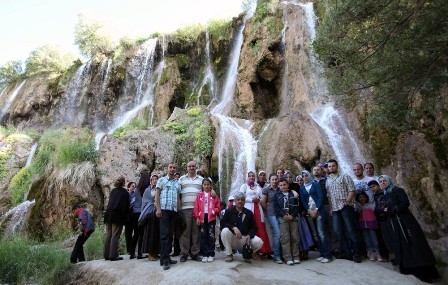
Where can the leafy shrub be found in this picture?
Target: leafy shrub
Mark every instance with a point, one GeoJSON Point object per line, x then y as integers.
{"type": "Point", "coordinates": [194, 112]}
{"type": "Point", "coordinates": [11, 72]}
{"type": "Point", "coordinates": [48, 59]}
{"type": "Point", "coordinates": [220, 28]}
{"type": "Point", "coordinates": [189, 33]}
{"type": "Point", "coordinates": [177, 128]}
{"type": "Point", "coordinates": [3, 167]}
{"type": "Point", "coordinates": [19, 185]}
{"type": "Point", "coordinates": [134, 124]}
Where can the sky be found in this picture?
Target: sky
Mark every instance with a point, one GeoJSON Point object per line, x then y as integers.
{"type": "Point", "coordinates": [28, 24]}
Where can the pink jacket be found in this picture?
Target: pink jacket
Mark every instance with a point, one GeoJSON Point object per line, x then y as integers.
{"type": "Point", "coordinates": [214, 207]}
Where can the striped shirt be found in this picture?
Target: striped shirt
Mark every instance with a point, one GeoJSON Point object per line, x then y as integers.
{"type": "Point", "coordinates": [191, 187]}
{"type": "Point", "coordinates": [169, 189]}
{"type": "Point", "coordinates": [338, 186]}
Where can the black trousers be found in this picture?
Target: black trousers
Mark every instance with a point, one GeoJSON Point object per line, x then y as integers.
{"type": "Point", "coordinates": [78, 249]}
{"type": "Point", "coordinates": [167, 226]}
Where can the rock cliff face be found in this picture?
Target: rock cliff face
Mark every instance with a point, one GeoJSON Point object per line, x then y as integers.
{"type": "Point", "coordinates": [277, 86]}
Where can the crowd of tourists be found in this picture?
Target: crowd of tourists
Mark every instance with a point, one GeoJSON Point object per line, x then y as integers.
{"type": "Point", "coordinates": [278, 217]}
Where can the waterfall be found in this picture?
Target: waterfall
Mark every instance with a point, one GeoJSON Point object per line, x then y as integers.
{"type": "Point", "coordinates": [15, 219]}
{"type": "Point", "coordinates": [340, 138]}
{"type": "Point", "coordinates": [15, 92]}
{"type": "Point", "coordinates": [71, 109]}
{"type": "Point", "coordinates": [31, 155]}
{"type": "Point", "coordinates": [235, 142]}
{"type": "Point", "coordinates": [105, 69]}
{"type": "Point", "coordinates": [148, 49]}
{"type": "Point", "coordinates": [3, 91]}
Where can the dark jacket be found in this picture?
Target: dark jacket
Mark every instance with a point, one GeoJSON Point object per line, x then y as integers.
{"type": "Point", "coordinates": [292, 205]}
{"type": "Point", "coordinates": [117, 210]}
{"type": "Point", "coordinates": [231, 217]}
{"type": "Point", "coordinates": [316, 193]}
{"type": "Point", "coordinates": [410, 245]}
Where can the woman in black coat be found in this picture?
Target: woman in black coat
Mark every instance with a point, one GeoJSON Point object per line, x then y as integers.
{"type": "Point", "coordinates": [116, 215]}
{"type": "Point", "coordinates": [412, 252]}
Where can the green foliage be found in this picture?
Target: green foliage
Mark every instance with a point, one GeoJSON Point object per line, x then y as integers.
{"type": "Point", "coordinates": [134, 124]}
{"type": "Point", "coordinates": [25, 262]}
{"type": "Point", "coordinates": [203, 139]}
{"type": "Point", "coordinates": [194, 112]}
{"type": "Point", "coordinates": [189, 33]}
{"type": "Point", "coordinates": [11, 72]}
{"type": "Point", "coordinates": [182, 60]}
{"type": "Point", "coordinates": [48, 59]}
{"type": "Point", "coordinates": [4, 169]}
{"type": "Point", "coordinates": [393, 48]}
{"type": "Point", "coordinates": [19, 186]}
{"type": "Point", "coordinates": [264, 9]}
{"type": "Point", "coordinates": [63, 147]}
{"type": "Point", "coordinates": [94, 246]}
{"type": "Point", "coordinates": [219, 28]}
{"type": "Point", "coordinates": [90, 39]}
{"type": "Point", "coordinates": [176, 127]}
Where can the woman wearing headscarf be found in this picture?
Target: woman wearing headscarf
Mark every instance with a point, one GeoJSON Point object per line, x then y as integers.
{"type": "Point", "coordinates": [253, 198]}
{"type": "Point", "coordinates": [312, 198]}
{"type": "Point", "coordinates": [151, 227]}
{"type": "Point", "coordinates": [412, 252]}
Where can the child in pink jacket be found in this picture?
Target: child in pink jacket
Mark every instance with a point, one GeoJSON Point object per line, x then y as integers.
{"type": "Point", "coordinates": [206, 208]}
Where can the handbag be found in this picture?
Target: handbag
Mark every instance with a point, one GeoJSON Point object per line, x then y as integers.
{"type": "Point", "coordinates": [148, 211]}
{"type": "Point", "coordinates": [247, 251]}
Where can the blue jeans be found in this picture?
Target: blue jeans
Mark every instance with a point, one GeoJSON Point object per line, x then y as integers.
{"type": "Point", "coordinates": [275, 236]}
{"type": "Point", "coordinates": [370, 239]}
{"type": "Point", "coordinates": [323, 242]}
{"type": "Point", "coordinates": [345, 219]}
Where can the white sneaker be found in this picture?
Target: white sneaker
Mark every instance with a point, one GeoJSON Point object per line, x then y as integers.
{"type": "Point", "coordinates": [290, 262]}
{"type": "Point", "coordinates": [204, 259]}
{"type": "Point", "coordinates": [210, 259]}
{"type": "Point", "coordinates": [319, 258]}
{"type": "Point", "coordinates": [325, 260]}
{"type": "Point", "coordinates": [296, 261]}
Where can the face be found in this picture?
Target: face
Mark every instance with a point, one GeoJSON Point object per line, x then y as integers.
{"type": "Point", "coordinates": [369, 170]}
{"type": "Point", "coordinates": [274, 181]}
{"type": "Point", "coordinates": [357, 170]}
{"type": "Point", "coordinates": [262, 177]}
{"type": "Point", "coordinates": [383, 183]}
{"type": "Point", "coordinates": [362, 199]}
{"type": "Point", "coordinates": [332, 167]}
{"type": "Point", "coordinates": [306, 177]}
{"type": "Point", "coordinates": [283, 186]}
{"type": "Point", "coordinates": [316, 171]}
{"type": "Point", "coordinates": [172, 169]}
{"type": "Point", "coordinates": [300, 181]}
{"type": "Point", "coordinates": [375, 188]}
{"type": "Point", "coordinates": [191, 168]}
{"type": "Point", "coordinates": [206, 185]}
{"type": "Point", "coordinates": [239, 202]}
{"type": "Point", "coordinates": [132, 188]}
{"type": "Point", "coordinates": [288, 177]}
{"type": "Point", "coordinates": [280, 173]}
{"type": "Point", "coordinates": [154, 180]}
{"type": "Point", "coordinates": [251, 177]}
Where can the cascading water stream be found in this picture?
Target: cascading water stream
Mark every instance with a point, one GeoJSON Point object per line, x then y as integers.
{"type": "Point", "coordinates": [146, 87]}
{"type": "Point", "coordinates": [340, 138]}
{"type": "Point", "coordinates": [12, 97]}
{"type": "Point", "coordinates": [237, 148]}
{"type": "Point", "coordinates": [105, 75]}
{"type": "Point", "coordinates": [31, 155]}
{"type": "Point", "coordinates": [209, 74]}
{"type": "Point", "coordinates": [16, 218]}
{"type": "Point", "coordinates": [3, 91]}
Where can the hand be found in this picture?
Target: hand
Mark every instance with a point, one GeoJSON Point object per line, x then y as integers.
{"type": "Point", "coordinates": [256, 200]}
{"type": "Point", "coordinates": [248, 239]}
{"type": "Point", "coordinates": [198, 221]}
{"type": "Point", "coordinates": [158, 213]}
{"type": "Point", "coordinates": [238, 233]}
{"type": "Point", "coordinates": [385, 209]}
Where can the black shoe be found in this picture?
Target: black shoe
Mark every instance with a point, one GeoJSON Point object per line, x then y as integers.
{"type": "Point", "coordinates": [141, 256]}
{"type": "Point", "coordinates": [132, 256]}
{"type": "Point", "coordinates": [73, 261]}
{"type": "Point", "coordinates": [116, 258]}
{"type": "Point", "coordinates": [183, 258]}
{"type": "Point", "coordinates": [173, 261]}
{"type": "Point", "coordinates": [196, 258]}
{"type": "Point", "coordinates": [357, 259]}
{"type": "Point", "coordinates": [166, 266]}
{"type": "Point", "coordinates": [175, 254]}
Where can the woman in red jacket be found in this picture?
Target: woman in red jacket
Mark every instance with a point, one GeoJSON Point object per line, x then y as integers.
{"type": "Point", "coordinates": [206, 208]}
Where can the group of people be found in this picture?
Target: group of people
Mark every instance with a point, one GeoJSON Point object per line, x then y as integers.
{"type": "Point", "coordinates": [279, 218]}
